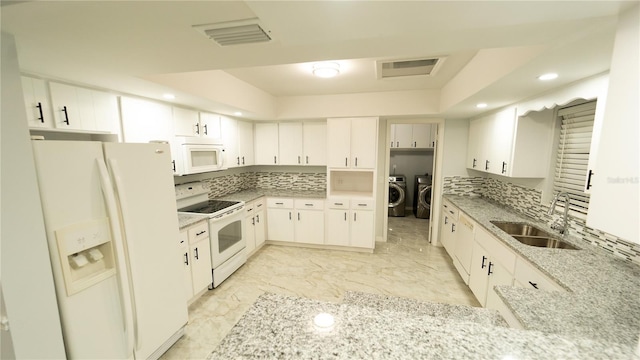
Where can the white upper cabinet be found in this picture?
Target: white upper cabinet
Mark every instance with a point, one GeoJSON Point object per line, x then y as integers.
{"type": "Point", "coordinates": [36, 101]}
{"type": "Point", "coordinates": [210, 126]}
{"type": "Point", "coordinates": [245, 143]}
{"type": "Point", "coordinates": [351, 142]}
{"type": "Point", "coordinates": [290, 143]}
{"type": "Point", "coordinates": [412, 136]}
{"type": "Point", "coordinates": [229, 129]}
{"type": "Point", "coordinates": [314, 143]}
{"type": "Point", "coordinates": [266, 144]}
{"type": "Point", "coordinates": [76, 108]}
{"type": "Point", "coordinates": [614, 205]}
{"type": "Point", "coordinates": [507, 145]}
{"type": "Point", "coordinates": [144, 121]}
{"type": "Point", "coordinates": [186, 122]}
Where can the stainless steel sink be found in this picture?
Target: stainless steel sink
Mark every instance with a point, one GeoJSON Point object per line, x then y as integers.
{"type": "Point", "coordinates": [531, 235]}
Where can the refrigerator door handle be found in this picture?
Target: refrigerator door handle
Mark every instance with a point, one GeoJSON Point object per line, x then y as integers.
{"type": "Point", "coordinates": [119, 194]}
{"type": "Point", "coordinates": [116, 231]}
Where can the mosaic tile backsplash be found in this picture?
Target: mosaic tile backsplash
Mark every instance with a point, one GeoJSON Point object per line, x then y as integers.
{"type": "Point", "coordinates": [528, 201]}
{"type": "Point", "coordinates": [223, 185]}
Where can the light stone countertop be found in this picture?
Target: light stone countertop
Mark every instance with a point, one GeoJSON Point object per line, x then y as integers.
{"type": "Point", "coordinates": [282, 327]}
{"type": "Point", "coordinates": [602, 301]}
{"type": "Point", "coordinates": [250, 195]}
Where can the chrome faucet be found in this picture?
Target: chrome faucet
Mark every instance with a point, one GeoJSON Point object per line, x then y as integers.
{"type": "Point", "coordinates": [552, 207]}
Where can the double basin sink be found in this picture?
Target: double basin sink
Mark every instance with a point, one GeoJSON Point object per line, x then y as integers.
{"type": "Point", "coordinates": [531, 235]}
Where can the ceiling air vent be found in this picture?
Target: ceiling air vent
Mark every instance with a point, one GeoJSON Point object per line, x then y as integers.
{"type": "Point", "coordinates": [236, 32]}
{"type": "Point", "coordinates": [414, 67]}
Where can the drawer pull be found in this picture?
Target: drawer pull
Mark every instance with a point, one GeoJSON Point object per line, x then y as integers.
{"type": "Point", "coordinates": [535, 286]}
{"type": "Point", "coordinates": [308, 204]}
{"type": "Point", "coordinates": [451, 212]}
{"type": "Point", "coordinates": [201, 232]}
{"type": "Point", "coordinates": [279, 203]}
{"type": "Point", "coordinates": [338, 204]}
{"type": "Point", "coordinates": [362, 204]}
{"type": "Point", "coordinates": [259, 205]}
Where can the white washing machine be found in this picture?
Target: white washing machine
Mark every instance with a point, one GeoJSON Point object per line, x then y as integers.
{"type": "Point", "coordinates": [397, 194]}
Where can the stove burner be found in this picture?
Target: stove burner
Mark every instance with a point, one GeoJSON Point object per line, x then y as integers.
{"type": "Point", "coordinates": [209, 207]}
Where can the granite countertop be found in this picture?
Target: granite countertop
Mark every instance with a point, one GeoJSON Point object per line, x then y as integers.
{"type": "Point", "coordinates": [282, 327]}
{"type": "Point", "coordinates": [603, 292]}
{"type": "Point", "coordinates": [250, 195]}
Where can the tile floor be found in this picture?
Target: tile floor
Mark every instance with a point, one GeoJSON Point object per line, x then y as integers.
{"type": "Point", "coordinates": [406, 266]}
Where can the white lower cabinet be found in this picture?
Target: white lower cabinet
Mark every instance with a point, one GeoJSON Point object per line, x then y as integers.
{"type": "Point", "coordinates": [448, 226]}
{"type": "Point", "coordinates": [295, 220]}
{"type": "Point", "coordinates": [196, 259]}
{"type": "Point", "coordinates": [350, 222]}
{"type": "Point", "coordinates": [492, 264]}
{"type": "Point", "coordinates": [254, 225]}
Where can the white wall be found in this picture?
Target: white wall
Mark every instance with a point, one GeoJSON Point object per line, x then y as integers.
{"type": "Point", "coordinates": [27, 281]}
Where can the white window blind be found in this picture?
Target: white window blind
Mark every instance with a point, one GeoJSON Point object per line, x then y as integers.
{"type": "Point", "coordinates": [573, 153]}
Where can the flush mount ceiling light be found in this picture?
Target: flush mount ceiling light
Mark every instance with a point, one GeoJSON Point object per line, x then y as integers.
{"type": "Point", "coordinates": [326, 70]}
{"type": "Point", "coordinates": [481, 105]}
{"type": "Point", "coordinates": [549, 76]}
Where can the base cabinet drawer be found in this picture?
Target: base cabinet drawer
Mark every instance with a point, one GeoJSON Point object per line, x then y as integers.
{"type": "Point", "coordinates": [528, 276]}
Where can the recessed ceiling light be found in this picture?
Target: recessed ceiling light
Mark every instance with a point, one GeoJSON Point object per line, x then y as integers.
{"type": "Point", "coordinates": [326, 70]}
{"type": "Point", "coordinates": [169, 96]}
{"type": "Point", "coordinates": [549, 76]}
{"type": "Point", "coordinates": [481, 105]}
{"type": "Point", "coordinates": [237, 113]}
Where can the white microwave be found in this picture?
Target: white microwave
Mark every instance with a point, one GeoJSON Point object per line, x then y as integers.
{"type": "Point", "coordinates": [197, 155]}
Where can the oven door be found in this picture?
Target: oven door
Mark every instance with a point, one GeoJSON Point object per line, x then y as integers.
{"type": "Point", "coordinates": [227, 238]}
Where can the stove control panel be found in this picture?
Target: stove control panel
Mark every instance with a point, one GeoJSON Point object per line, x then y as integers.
{"type": "Point", "coordinates": [191, 189]}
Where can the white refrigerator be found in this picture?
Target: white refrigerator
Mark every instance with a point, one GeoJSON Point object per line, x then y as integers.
{"type": "Point", "coordinates": [111, 221]}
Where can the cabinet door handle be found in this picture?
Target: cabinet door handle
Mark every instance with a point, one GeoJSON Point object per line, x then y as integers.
{"type": "Point", "coordinates": [484, 258]}
{"type": "Point", "coordinates": [489, 272]}
{"type": "Point", "coordinates": [197, 128]}
{"type": "Point", "coordinates": [174, 165]}
{"type": "Point", "coordinates": [356, 162]}
{"type": "Point", "coordinates": [433, 144]}
{"type": "Point", "coordinates": [415, 144]}
{"type": "Point", "coordinates": [298, 216]}
{"type": "Point", "coordinates": [196, 253]}
{"type": "Point", "coordinates": [345, 162]}
{"type": "Point", "coordinates": [66, 115]}
{"type": "Point", "coordinates": [238, 160]}
{"type": "Point", "coordinates": [289, 215]}
{"type": "Point", "coordinates": [298, 159]}
{"type": "Point", "coordinates": [258, 219]}
{"type": "Point", "coordinates": [243, 160]}
{"type": "Point", "coordinates": [354, 217]}
{"type": "Point", "coordinates": [504, 167]}
{"type": "Point", "coordinates": [446, 220]}
{"type": "Point", "coordinates": [535, 286]}
{"type": "Point", "coordinates": [588, 177]}
{"type": "Point", "coordinates": [41, 118]}
{"type": "Point", "coordinates": [345, 216]}
{"type": "Point", "coordinates": [186, 259]}
{"type": "Point", "coordinates": [206, 132]}
{"type": "Point", "coordinates": [453, 228]}
{"type": "Point", "coordinates": [392, 144]}
{"type": "Point", "coordinates": [397, 143]}
{"type": "Point", "coordinates": [307, 159]}
{"type": "Point", "coordinates": [474, 163]}
{"type": "Point", "coordinates": [486, 165]}
{"type": "Point", "coordinates": [275, 159]}
{"type": "Point", "coordinates": [253, 221]}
